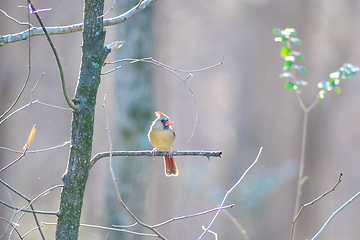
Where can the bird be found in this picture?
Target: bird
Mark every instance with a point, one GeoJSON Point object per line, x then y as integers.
{"type": "Point", "coordinates": [162, 136]}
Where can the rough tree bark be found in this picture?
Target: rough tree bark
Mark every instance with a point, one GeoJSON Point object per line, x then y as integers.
{"type": "Point", "coordinates": [77, 172]}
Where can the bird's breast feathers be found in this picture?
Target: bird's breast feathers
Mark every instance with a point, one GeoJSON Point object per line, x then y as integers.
{"type": "Point", "coordinates": [163, 139]}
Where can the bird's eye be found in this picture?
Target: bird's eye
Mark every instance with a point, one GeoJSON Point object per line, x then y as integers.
{"type": "Point", "coordinates": [163, 121]}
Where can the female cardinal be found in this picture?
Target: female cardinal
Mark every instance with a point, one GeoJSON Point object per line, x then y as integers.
{"type": "Point", "coordinates": [162, 136]}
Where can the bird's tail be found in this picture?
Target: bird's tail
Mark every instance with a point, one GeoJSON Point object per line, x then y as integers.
{"type": "Point", "coordinates": [170, 166]}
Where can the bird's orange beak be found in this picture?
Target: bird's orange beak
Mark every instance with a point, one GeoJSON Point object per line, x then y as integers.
{"type": "Point", "coordinates": [168, 123]}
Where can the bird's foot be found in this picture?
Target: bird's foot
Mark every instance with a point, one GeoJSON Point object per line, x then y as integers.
{"type": "Point", "coordinates": [153, 152]}
{"type": "Point", "coordinates": [170, 152]}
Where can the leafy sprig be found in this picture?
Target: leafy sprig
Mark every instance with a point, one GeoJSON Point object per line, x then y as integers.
{"type": "Point", "coordinates": [289, 69]}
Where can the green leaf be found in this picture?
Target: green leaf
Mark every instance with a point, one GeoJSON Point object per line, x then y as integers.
{"type": "Point", "coordinates": [286, 68]}
{"type": "Point", "coordinates": [302, 82]}
{"type": "Point", "coordinates": [289, 31]}
{"type": "Point", "coordinates": [321, 95]}
{"type": "Point", "coordinates": [323, 84]}
{"type": "Point", "coordinates": [338, 91]}
{"type": "Point", "coordinates": [286, 75]}
{"type": "Point", "coordinates": [345, 72]}
{"type": "Point", "coordinates": [295, 40]}
{"type": "Point", "coordinates": [281, 39]}
{"type": "Point", "coordinates": [291, 85]}
{"type": "Point", "coordinates": [334, 75]}
{"type": "Point", "coordinates": [277, 31]}
{"type": "Point", "coordinates": [289, 60]}
{"type": "Point", "coordinates": [353, 69]}
{"type": "Point", "coordinates": [334, 83]}
{"type": "Point", "coordinates": [285, 51]}
{"type": "Point", "coordinates": [295, 53]}
{"type": "Point", "coordinates": [300, 68]}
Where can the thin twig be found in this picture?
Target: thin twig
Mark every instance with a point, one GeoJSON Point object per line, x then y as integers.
{"type": "Point", "coordinates": [237, 224]}
{"type": "Point", "coordinates": [336, 212]}
{"type": "Point", "coordinates": [212, 232]}
{"type": "Point", "coordinates": [109, 228]}
{"type": "Point", "coordinates": [31, 93]}
{"type": "Point", "coordinates": [108, 11]}
{"type": "Point", "coordinates": [15, 161]}
{"type": "Point", "coordinates": [12, 225]}
{"type": "Point", "coordinates": [301, 178]}
{"type": "Point", "coordinates": [15, 20]}
{"type": "Point", "coordinates": [173, 71]}
{"type": "Point", "coordinates": [18, 110]}
{"type": "Point", "coordinates": [54, 106]}
{"type": "Point", "coordinates": [229, 191]}
{"type": "Point", "coordinates": [3, 116]}
{"type": "Point", "coordinates": [27, 105]}
{"type": "Point", "coordinates": [311, 203]}
{"type": "Point", "coordinates": [192, 215]}
{"type": "Point", "coordinates": [37, 151]}
{"type": "Point", "coordinates": [26, 210]}
{"type": "Point", "coordinates": [71, 104]}
{"type": "Point", "coordinates": [207, 154]}
{"type": "Point", "coordinates": [119, 230]}
{"type": "Point", "coordinates": [115, 181]}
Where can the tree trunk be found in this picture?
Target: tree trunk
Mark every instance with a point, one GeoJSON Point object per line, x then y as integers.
{"type": "Point", "coordinates": [77, 172]}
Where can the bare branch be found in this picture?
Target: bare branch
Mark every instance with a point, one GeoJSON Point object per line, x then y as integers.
{"type": "Point", "coordinates": [115, 182]}
{"type": "Point", "coordinates": [207, 154]}
{"type": "Point", "coordinates": [237, 224]}
{"type": "Point", "coordinates": [10, 224]}
{"type": "Point", "coordinates": [15, 20]}
{"type": "Point", "coordinates": [62, 77]}
{"type": "Point", "coordinates": [27, 105]}
{"type": "Point", "coordinates": [173, 71]}
{"type": "Point", "coordinates": [37, 31]}
{"type": "Point", "coordinates": [15, 161]}
{"type": "Point", "coordinates": [29, 201]}
{"type": "Point", "coordinates": [3, 116]}
{"type": "Point", "coordinates": [229, 191]}
{"type": "Point", "coordinates": [109, 228]}
{"type": "Point", "coordinates": [26, 210]}
{"type": "Point", "coordinates": [31, 93]}
{"type": "Point", "coordinates": [37, 151]}
{"type": "Point", "coordinates": [192, 215]}
{"type": "Point", "coordinates": [336, 212]}
{"type": "Point", "coordinates": [311, 203]}
{"type": "Point", "coordinates": [212, 232]}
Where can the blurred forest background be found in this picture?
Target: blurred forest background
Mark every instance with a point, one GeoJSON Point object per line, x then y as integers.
{"type": "Point", "coordinates": [242, 105]}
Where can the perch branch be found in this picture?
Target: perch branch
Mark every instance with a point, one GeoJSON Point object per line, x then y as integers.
{"type": "Point", "coordinates": [207, 154]}
{"type": "Point", "coordinates": [37, 31]}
